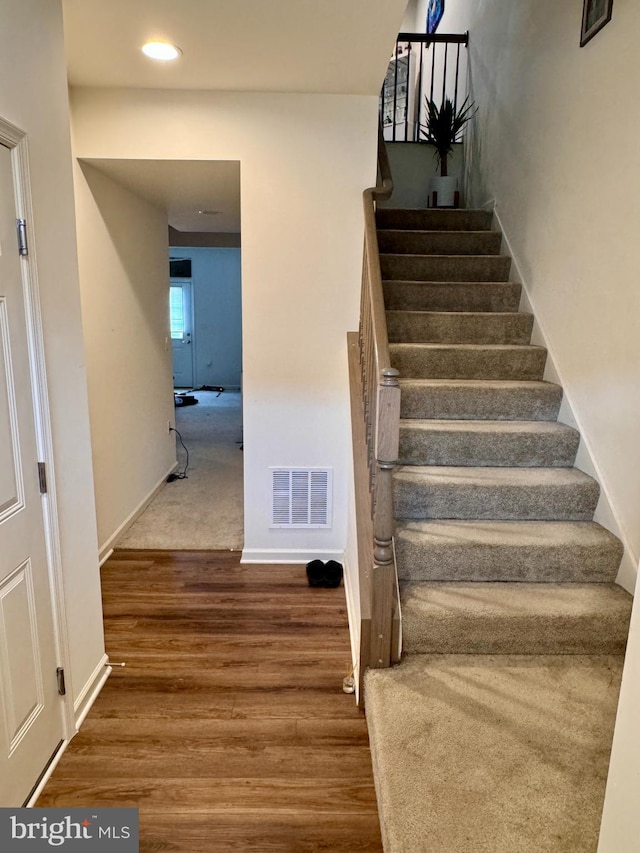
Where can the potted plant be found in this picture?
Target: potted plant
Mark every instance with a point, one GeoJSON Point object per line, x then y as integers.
{"type": "Point", "coordinates": [443, 127]}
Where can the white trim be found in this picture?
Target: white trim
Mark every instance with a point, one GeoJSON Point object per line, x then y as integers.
{"type": "Point", "coordinates": [103, 559]}
{"type": "Point", "coordinates": [288, 555]}
{"type": "Point", "coordinates": [33, 799]}
{"type": "Point", "coordinates": [605, 513]}
{"type": "Point", "coordinates": [91, 689]}
{"type": "Point", "coordinates": [16, 139]}
{"type": "Point", "coordinates": [107, 548]}
{"type": "Point", "coordinates": [354, 618]}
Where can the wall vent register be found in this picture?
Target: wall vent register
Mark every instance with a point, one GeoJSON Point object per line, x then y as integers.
{"type": "Point", "coordinates": [301, 497]}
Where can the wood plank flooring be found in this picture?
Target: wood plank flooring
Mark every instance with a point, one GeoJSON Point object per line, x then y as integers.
{"type": "Point", "coordinates": [228, 727]}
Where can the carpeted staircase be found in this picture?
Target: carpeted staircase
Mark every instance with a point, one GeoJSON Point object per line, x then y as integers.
{"type": "Point", "coordinates": [494, 732]}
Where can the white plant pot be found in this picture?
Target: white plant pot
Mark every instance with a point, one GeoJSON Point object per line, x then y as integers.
{"type": "Point", "coordinates": [442, 191]}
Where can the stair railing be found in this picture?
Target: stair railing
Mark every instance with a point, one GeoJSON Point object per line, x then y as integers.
{"type": "Point", "coordinates": [381, 409]}
{"type": "Point", "coordinates": [422, 66]}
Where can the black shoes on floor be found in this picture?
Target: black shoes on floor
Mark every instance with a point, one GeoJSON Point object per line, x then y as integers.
{"type": "Point", "coordinates": [327, 574]}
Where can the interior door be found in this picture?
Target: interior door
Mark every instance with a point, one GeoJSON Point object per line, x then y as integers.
{"type": "Point", "coordinates": [31, 720]}
{"type": "Point", "coordinates": [181, 317]}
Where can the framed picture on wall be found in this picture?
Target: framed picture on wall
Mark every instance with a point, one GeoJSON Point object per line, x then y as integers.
{"type": "Point", "coordinates": [435, 12]}
{"type": "Point", "coordinates": [595, 14]}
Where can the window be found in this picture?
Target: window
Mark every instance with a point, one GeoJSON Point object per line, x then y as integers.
{"type": "Point", "coordinates": [176, 312]}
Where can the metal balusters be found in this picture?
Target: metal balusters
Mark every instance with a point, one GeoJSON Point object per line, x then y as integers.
{"type": "Point", "coordinates": [420, 64]}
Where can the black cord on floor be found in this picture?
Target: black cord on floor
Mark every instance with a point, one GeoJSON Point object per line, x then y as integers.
{"type": "Point", "coordinates": [179, 475]}
{"type": "Point", "coordinates": [217, 388]}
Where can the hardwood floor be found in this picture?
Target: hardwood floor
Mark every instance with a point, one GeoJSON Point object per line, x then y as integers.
{"type": "Point", "coordinates": [228, 727]}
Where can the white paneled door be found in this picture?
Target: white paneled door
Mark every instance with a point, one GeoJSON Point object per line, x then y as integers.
{"type": "Point", "coordinates": [31, 722]}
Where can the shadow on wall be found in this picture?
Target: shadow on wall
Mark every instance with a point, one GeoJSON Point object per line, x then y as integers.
{"type": "Point", "coordinates": [412, 165]}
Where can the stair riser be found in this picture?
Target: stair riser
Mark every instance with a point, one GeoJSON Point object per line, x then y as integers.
{"type": "Point", "coordinates": [519, 363]}
{"type": "Point", "coordinates": [439, 327]}
{"type": "Point", "coordinates": [426, 560]}
{"type": "Point", "coordinates": [434, 447]}
{"type": "Point", "coordinates": [450, 402]}
{"type": "Point", "coordinates": [440, 242]}
{"type": "Point", "coordinates": [445, 267]}
{"type": "Point", "coordinates": [452, 296]}
{"type": "Point", "coordinates": [588, 635]}
{"type": "Point", "coordinates": [423, 499]}
{"type": "Point", "coordinates": [435, 220]}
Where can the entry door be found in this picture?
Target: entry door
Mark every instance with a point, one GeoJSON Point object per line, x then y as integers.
{"type": "Point", "coordinates": [181, 314]}
{"type": "Point", "coordinates": [31, 721]}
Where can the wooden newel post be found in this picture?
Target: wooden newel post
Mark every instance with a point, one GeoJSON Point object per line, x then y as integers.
{"type": "Point", "coordinates": [383, 521]}
{"type": "Point", "coordinates": [384, 571]}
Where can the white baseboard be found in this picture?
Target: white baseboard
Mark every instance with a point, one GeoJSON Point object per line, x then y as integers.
{"type": "Point", "coordinates": [82, 706]}
{"type": "Point", "coordinates": [107, 548]}
{"type": "Point", "coordinates": [288, 555]}
{"type": "Point", "coordinates": [33, 799]}
{"type": "Point", "coordinates": [353, 615]}
{"type": "Point", "coordinates": [585, 459]}
{"type": "Point", "coordinates": [105, 557]}
{"type": "Point", "coordinates": [90, 691]}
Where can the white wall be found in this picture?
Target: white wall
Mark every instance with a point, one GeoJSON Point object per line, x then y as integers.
{"type": "Point", "coordinates": [124, 279]}
{"type": "Point", "coordinates": [33, 95]}
{"type": "Point", "coordinates": [620, 828]}
{"type": "Point", "coordinates": [217, 309]}
{"type": "Point", "coordinates": [305, 160]}
{"type": "Point", "coordinates": [409, 21]}
{"type": "Point", "coordinates": [412, 166]}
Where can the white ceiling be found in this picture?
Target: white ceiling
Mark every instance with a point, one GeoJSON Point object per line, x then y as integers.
{"type": "Point", "coordinates": [328, 46]}
{"type": "Point", "coordinates": [312, 46]}
{"type": "Point", "coordinates": [182, 188]}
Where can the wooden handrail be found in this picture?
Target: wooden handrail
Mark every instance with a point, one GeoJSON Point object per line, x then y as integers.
{"type": "Point", "coordinates": [381, 408]}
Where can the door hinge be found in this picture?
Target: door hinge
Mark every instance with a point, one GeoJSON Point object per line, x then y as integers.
{"type": "Point", "coordinates": [60, 677]}
{"type": "Point", "coordinates": [42, 477]}
{"type": "Point", "coordinates": [23, 246]}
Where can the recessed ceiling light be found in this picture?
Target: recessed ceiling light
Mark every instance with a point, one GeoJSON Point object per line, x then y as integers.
{"type": "Point", "coordinates": [161, 50]}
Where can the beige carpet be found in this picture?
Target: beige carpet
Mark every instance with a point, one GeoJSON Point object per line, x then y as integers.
{"type": "Point", "coordinates": [206, 509]}
{"type": "Point", "coordinates": [502, 754]}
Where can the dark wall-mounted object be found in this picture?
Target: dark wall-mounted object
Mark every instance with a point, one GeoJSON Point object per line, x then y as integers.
{"type": "Point", "coordinates": [595, 14]}
{"type": "Point", "coordinates": [180, 267]}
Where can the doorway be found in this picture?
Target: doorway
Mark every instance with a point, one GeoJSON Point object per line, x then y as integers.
{"type": "Point", "coordinates": [135, 215]}
{"type": "Point", "coordinates": [203, 507]}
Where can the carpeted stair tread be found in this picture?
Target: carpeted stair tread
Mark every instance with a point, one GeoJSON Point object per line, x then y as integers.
{"type": "Point", "coordinates": [487, 443]}
{"type": "Point", "coordinates": [473, 399]}
{"type": "Point", "coordinates": [533, 551]}
{"type": "Point", "coordinates": [462, 219]}
{"type": "Point", "coordinates": [514, 618]}
{"type": "Point", "coordinates": [500, 754]}
{"type": "Point", "coordinates": [494, 732]}
{"type": "Point", "coordinates": [544, 494]}
{"type": "Point", "coordinates": [439, 242]}
{"type": "Point", "coordinates": [452, 295]}
{"type": "Point", "coordinates": [471, 327]}
{"type": "Point", "coordinates": [468, 361]}
{"type": "Point", "coordinates": [445, 267]}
